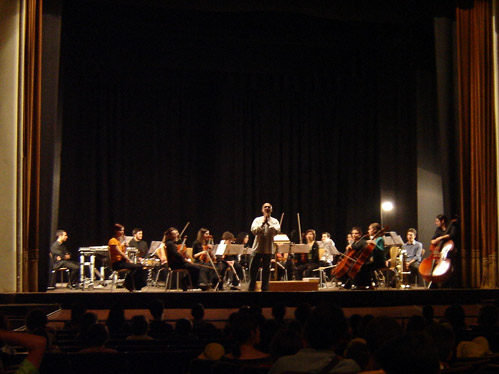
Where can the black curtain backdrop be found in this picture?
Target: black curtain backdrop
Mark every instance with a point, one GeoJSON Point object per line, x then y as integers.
{"type": "Point", "coordinates": [173, 116]}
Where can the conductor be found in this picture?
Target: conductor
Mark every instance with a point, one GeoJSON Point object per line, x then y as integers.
{"type": "Point", "coordinates": [264, 228]}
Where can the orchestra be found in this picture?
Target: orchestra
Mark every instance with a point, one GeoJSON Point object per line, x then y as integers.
{"type": "Point", "coordinates": [212, 266]}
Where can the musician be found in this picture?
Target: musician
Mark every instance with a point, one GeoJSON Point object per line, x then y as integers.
{"type": "Point", "coordinates": [414, 251]}
{"type": "Point", "coordinates": [377, 259]}
{"type": "Point", "coordinates": [444, 231]}
{"type": "Point", "coordinates": [62, 258]}
{"type": "Point", "coordinates": [120, 260]}
{"type": "Point", "coordinates": [264, 228]}
{"type": "Point", "coordinates": [176, 260]}
{"type": "Point", "coordinates": [230, 261]}
{"type": "Point", "coordinates": [307, 262]}
{"type": "Point", "coordinates": [329, 249]}
{"type": "Point", "coordinates": [243, 238]}
{"type": "Point", "coordinates": [138, 243]}
{"type": "Point", "coordinates": [201, 252]}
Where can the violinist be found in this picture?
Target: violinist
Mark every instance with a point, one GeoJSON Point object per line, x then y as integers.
{"type": "Point", "coordinates": [201, 251]}
{"type": "Point", "coordinates": [307, 262]}
{"type": "Point", "coordinates": [177, 260]}
{"type": "Point", "coordinates": [230, 261]}
{"type": "Point", "coordinates": [377, 259]}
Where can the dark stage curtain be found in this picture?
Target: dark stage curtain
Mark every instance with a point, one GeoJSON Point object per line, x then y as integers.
{"type": "Point", "coordinates": [173, 116]}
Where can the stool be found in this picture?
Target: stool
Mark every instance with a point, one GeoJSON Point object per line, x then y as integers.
{"type": "Point", "coordinates": [322, 275]}
{"type": "Point", "coordinates": [60, 273]}
{"type": "Point", "coordinates": [115, 277]}
{"type": "Point", "coordinates": [177, 272]}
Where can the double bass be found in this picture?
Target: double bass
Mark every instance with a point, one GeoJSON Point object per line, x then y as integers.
{"type": "Point", "coordinates": [353, 260]}
{"type": "Point", "coordinates": [437, 267]}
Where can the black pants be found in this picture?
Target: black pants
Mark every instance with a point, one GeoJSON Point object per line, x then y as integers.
{"type": "Point", "coordinates": [365, 277]}
{"type": "Point", "coordinates": [260, 260]}
{"type": "Point", "coordinates": [237, 267]}
{"type": "Point", "coordinates": [137, 277]}
{"type": "Point", "coordinates": [193, 272]}
{"type": "Point", "coordinates": [306, 270]}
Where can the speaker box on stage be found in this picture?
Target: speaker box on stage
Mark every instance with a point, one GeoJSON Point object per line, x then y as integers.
{"type": "Point", "coordinates": [288, 286]}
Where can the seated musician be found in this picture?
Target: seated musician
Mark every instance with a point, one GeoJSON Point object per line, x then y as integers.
{"type": "Point", "coordinates": [202, 254]}
{"type": "Point", "coordinates": [230, 261]}
{"type": "Point", "coordinates": [376, 260]}
{"type": "Point", "coordinates": [61, 257]}
{"type": "Point", "coordinates": [414, 251]}
{"type": "Point", "coordinates": [119, 260]}
{"type": "Point", "coordinates": [446, 230]}
{"type": "Point", "coordinates": [139, 243]}
{"type": "Point", "coordinates": [307, 262]}
{"type": "Point", "coordinates": [176, 260]}
{"type": "Point", "coordinates": [243, 238]}
{"type": "Point", "coordinates": [284, 264]}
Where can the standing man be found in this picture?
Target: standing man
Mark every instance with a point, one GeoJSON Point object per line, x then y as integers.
{"type": "Point", "coordinates": [414, 251]}
{"type": "Point", "coordinates": [264, 228]}
{"type": "Point", "coordinates": [62, 258]}
{"type": "Point", "coordinates": [138, 243]}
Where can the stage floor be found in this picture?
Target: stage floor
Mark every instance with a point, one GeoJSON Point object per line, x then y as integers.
{"type": "Point", "coordinates": [103, 297]}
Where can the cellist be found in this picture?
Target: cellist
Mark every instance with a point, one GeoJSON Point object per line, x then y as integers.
{"type": "Point", "coordinates": [377, 259]}
{"type": "Point", "coordinates": [444, 232]}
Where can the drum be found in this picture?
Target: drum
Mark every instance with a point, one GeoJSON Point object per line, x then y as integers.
{"type": "Point", "coordinates": [150, 262]}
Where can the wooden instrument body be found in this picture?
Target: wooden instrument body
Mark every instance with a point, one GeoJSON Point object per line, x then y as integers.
{"type": "Point", "coordinates": [362, 257]}
{"type": "Point", "coordinates": [437, 267]}
{"type": "Point", "coordinates": [346, 263]}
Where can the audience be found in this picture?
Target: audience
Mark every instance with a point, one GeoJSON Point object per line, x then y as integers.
{"type": "Point", "coordinates": [326, 340]}
{"type": "Point", "coordinates": [324, 329]}
{"type": "Point", "coordinates": [246, 335]}
{"type": "Point", "coordinates": [158, 326]}
{"type": "Point", "coordinates": [116, 322]}
{"type": "Point", "coordinates": [413, 353]}
{"type": "Point", "coordinates": [35, 345]}
{"type": "Point", "coordinates": [139, 328]}
{"type": "Point", "coordinates": [199, 326]}
{"type": "Point", "coordinates": [97, 337]}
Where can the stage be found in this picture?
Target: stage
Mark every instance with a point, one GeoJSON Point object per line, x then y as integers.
{"type": "Point", "coordinates": [104, 298]}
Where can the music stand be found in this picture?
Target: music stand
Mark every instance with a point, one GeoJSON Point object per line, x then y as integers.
{"type": "Point", "coordinates": [234, 249]}
{"type": "Point", "coordinates": [393, 239]}
{"type": "Point", "coordinates": [155, 244]}
{"type": "Point", "coordinates": [282, 243]}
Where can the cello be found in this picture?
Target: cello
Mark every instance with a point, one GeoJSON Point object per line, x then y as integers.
{"type": "Point", "coordinates": [352, 261]}
{"type": "Point", "coordinates": [437, 267]}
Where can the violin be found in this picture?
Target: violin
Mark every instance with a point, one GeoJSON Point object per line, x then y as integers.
{"type": "Point", "coordinates": [205, 257]}
{"type": "Point", "coordinates": [182, 249]}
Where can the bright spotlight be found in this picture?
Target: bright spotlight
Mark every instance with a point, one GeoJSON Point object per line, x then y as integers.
{"type": "Point", "coordinates": [387, 206]}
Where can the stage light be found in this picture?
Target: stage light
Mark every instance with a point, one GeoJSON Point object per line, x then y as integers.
{"type": "Point", "coordinates": [386, 206]}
